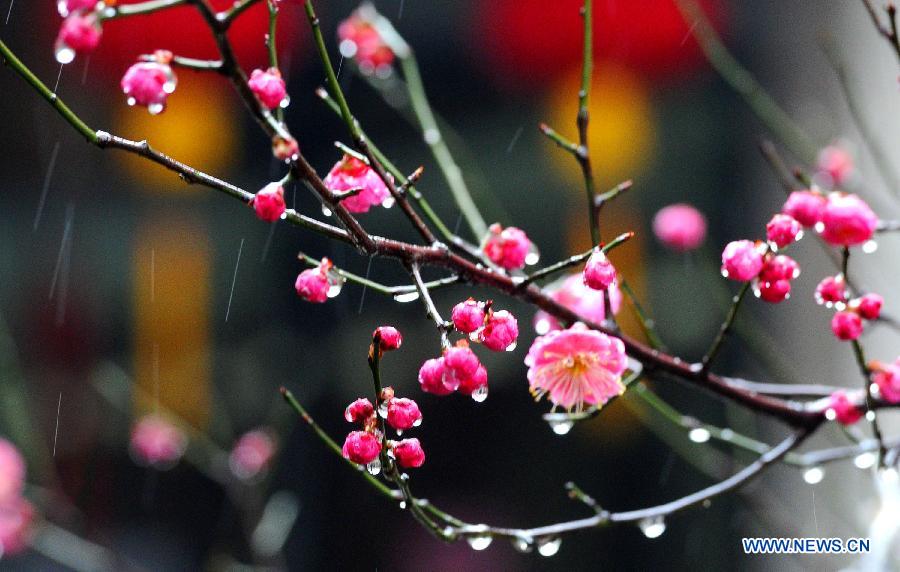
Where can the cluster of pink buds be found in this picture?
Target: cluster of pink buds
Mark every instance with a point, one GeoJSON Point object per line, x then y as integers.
{"type": "Point", "coordinates": [252, 454]}
{"type": "Point", "coordinates": [150, 82]}
{"type": "Point", "coordinates": [599, 273]}
{"type": "Point", "coordinates": [680, 227]}
{"type": "Point", "coordinates": [886, 378]}
{"type": "Point", "coordinates": [498, 331]}
{"type": "Point", "coordinates": [842, 219]}
{"type": "Point", "coordinates": [16, 513]}
{"type": "Point", "coordinates": [458, 369]}
{"type": "Point", "coordinates": [79, 33]}
{"type": "Point", "coordinates": [841, 409]}
{"type": "Point", "coordinates": [847, 323]}
{"type": "Point", "coordinates": [364, 447]}
{"type": "Point", "coordinates": [268, 87]}
{"type": "Point", "coordinates": [352, 174]}
{"type": "Point", "coordinates": [361, 40]}
{"type": "Point", "coordinates": [320, 283]}
{"type": "Point", "coordinates": [510, 247]}
{"type": "Point", "coordinates": [157, 443]}
{"type": "Point", "coordinates": [771, 274]}
{"type": "Point", "coordinates": [268, 203]}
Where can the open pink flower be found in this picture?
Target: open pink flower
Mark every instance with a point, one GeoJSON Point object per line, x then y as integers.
{"type": "Point", "coordinates": [12, 472]}
{"type": "Point", "coordinates": [847, 220]}
{"type": "Point", "coordinates": [507, 247]}
{"type": "Point", "coordinates": [252, 454]}
{"type": "Point", "coordinates": [588, 303]}
{"type": "Point", "coordinates": [841, 409]}
{"type": "Point", "coordinates": [156, 442]}
{"type": "Point", "coordinates": [268, 87]}
{"type": "Point", "coordinates": [351, 173]}
{"type": "Point", "coordinates": [577, 366]}
{"type": "Point", "coordinates": [680, 227]}
{"type": "Point", "coordinates": [16, 517]}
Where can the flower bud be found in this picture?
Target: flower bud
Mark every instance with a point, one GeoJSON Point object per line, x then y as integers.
{"type": "Point", "coordinates": [460, 364]}
{"type": "Point", "coordinates": [252, 454]}
{"type": "Point", "coordinates": [268, 203]}
{"type": "Point", "coordinates": [831, 290]}
{"type": "Point", "coordinates": [776, 291]}
{"type": "Point", "coordinates": [507, 247]}
{"type": "Point", "coordinates": [599, 272]}
{"type": "Point", "coordinates": [868, 306]}
{"type": "Point", "coordinates": [500, 331]}
{"type": "Point", "coordinates": [741, 260]}
{"type": "Point", "coordinates": [846, 325]}
{"type": "Point", "coordinates": [359, 411]}
{"type": "Point", "coordinates": [806, 207]}
{"type": "Point", "coordinates": [389, 338]}
{"type": "Point", "coordinates": [361, 447]}
{"type": "Point", "coordinates": [680, 227]}
{"type": "Point", "coordinates": [403, 414]}
{"type": "Point", "coordinates": [431, 377]}
{"type": "Point", "coordinates": [474, 383]}
{"type": "Point", "coordinates": [847, 220]}
{"type": "Point", "coordinates": [156, 442]}
{"type": "Point", "coordinates": [409, 453]}
{"type": "Point", "coordinates": [351, 173]}
{"type": "Point", "coordinates": [782, 230]}
{"type": "Point", "coordinates": [268, 86]}
{"type": "Point", "coordinates": [79, 34]}
{"type": "Point", "coordinates": [841, 409]}
{"type": "Point", "coordinates": [468, 316]}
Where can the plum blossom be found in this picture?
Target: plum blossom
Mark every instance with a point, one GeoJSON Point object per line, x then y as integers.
{"type": "Point", "coordinates": [742, 260]}
{"type": "Point", "coordinates": [268, 87]}
{"type": "Point", "coordinates": [409, 453]}
{"type": "Point", "coordinates": [782, 230]}
{"type": "Point", "coordinates": [868, 306]}
{"type": "Point", "coordinates": [268, 203]}
{"type": "Point", "coordinates": [468, 316]}
{"type": "Point", "coordinates": [680, 227]}
{"type": "Point", "coordinates": [16, 517]}
{"type": "Point", "coordinates": [846, 325]}
{"type": "Point", "coordinates": [361, 447]}
{"type": "Point", "coordinates": [847, 220]}
{"type": "Point", "coordinates": [362, 41]}
{"type": "Point", "coordinates": [507, 247]}
{"type": "Point", "coordinates": [12, 472]}
{"type": "Point", "coordinates": [806, 207]}
{"type": "Point", "coordinates": [252, 454]}
{"type": "Point", "coordinates": [841, 409]}
{"type": "Point", "coordinates": [351, 173]}
{"type": "Point", "coordinates": [599, 273]}
{"type": "Point", "coordinates": [431, 377]}
{"type": "Point", "coordinates": [831, 290]}
{"type": "Point", "coordinates": [359, 411]}
{"type": "Point", "coordinates": [460, 365]}
{"type": "Point", "coordinates": [156, 442]}
{"type": "Point", "coordinates": [67, 7]}
{"type": "Point", "coordinates": [389, 338]}
{"type": "Point", "coordinates": [150, 83]}
{"type": "Point", "coordinates": [403, 414]}
{"type": "Point", "coordinates": [588, 303]}
{"type": "Point", "coordinates": [79, 34]}
{"type": "Point", "coordinates": [836, 163]}
{"type": "Point", "coordinates": [500, 332]}
{"type": "Point", "coordinates": [318, 284]}
{"type": "Point", "coordinates": [577, 366]}
{"type": "Point", "coordinates": [887, 379]}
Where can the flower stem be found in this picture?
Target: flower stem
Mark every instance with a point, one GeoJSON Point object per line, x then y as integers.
{"type": "Point", "coordinates": [726, 327]}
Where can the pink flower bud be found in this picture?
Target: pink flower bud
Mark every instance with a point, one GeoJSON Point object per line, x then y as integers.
{"type": "Point", "coordinates": [12, 472]}
{"type": "Point", "coordinates": [868, 306]}
{"type": "Point", "coordinates": [149, 84]}
{"type": "Point", "coordinates": [781, 267]}
{"type": "Point", "coordinates": [403, 414]}
{"type": "Point", "coordinates": [314, 284]}
{"type": "Point", "coordinates": [847, 220]}
{"type": "Point", "coordinates": [16, 518]}
{"type": "Point", "coordinates": [599, 272]}
{"type": "Point", "coordinates": [409, 453]}
{"type": "Point", "coordinates": [351, 173]}
{"type": "Point", "coordinates": [66, 7]}
{"type": "Point", "coordinates": [390, 338]}
{"type": "Point", "coordinates": [507, 247]}
{"type": "Point", "coordinates": [431, 377]}
{"type": "Point", "coordinates": [79, 34]}
{"type": "Point", "coordinates": [269, 202]}
{"type": "Point", "coordinates": [156, 442]}
{"type": "Point", "coordinates": [285, 149]}
{"type": "Point", "coordinates": [588, 303]}
{"type": "Point", "coordinates": [268, 87]}
{"type": "Point", "coordinates": [500, 331]}
{"type": "Point", "coordinates": [846, 325]}
{"type": "Point", "coordinates": [807, 207]}
{"type": "Point", "coordinates": [468, 316]}
{"type": "Point", "coordinates": [474, 383]}
{"type": "Point", "coordinates": [831, 290]}
{"type": "Point", "coordinates": [741, 260]}
{"type": "Point", "coordinates": [460, 364]}
{"type": "Point", "coordinates": [360, 40]}
{"type": "Point", "coordinates": [836, 163]}
{"type": "Point", "coordinates": [782, 230]}
{"type": "Point", "coordinates": [359, 411]}
{"type": "Point", "coordinates": [680, 227]}
{"type": "Point", "coordinates": [841, 409]}
{"type": "Point", "coordinates": [252, 454]}
{"type": "Point", "coordinates": [887, 378]}
{"type": "Point", "coordinates": [776, 291]}
{"type": "Point", "coordinates": [361, 447]}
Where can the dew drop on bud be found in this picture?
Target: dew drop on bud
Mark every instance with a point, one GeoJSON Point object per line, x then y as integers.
{"type": "Point", "coordinates": [65, 54]}
{"type": "Point", "coordinates": [480, 394]}
{"type": "Point", "coordinates": [652, 526]}
{"type": "Point", "coordinates": [479, 541]}
{"type": "Point", "coordinates": [406, 297]}
{"type": "Point", "coordinates": [402, 505]}
{"type": "Point", "coordinates": [347, 48]}
{"type": "Point", "coordinates": [523, 544]}
{"type": "Point", "coordinates": [870, 415]}
{"type": "Point", "coordinates": [285, 102]}
{"type": "Point", "coordinates": [542, 326]}
{"type": "Point", "coordinates": [549, 546]}
{"type": "Point", "coordinates": [417, 422]}
{"type": "Point", "coordinates": [63, 7]}
{"type": "Point", "coordinates": [388, 202]}
{"type": "Point", "coordinates": [865, 460]}
{"type": "Point", "coordinates": [820, 226]}
{"type": "Point", "coordinates": [382, 409]}
{"type": "Point", "coordinates": [335, 284]}
{"type": "Point", "coordinates": [869, 246]}
{"type": "Point", "coordinates": [155, 108]}
{"type": "Point", "coordinates": [326, 211]}
{"type": "Point", "coordinates": [374, 467]}
{"type": "Point", "coordinates": [561, 426]}
{"type": "Point", "coordinates": [511, 347]}
{"type": "Point", "coordinates": [814, 475]}
{"type": "Point", "coordinates": [533, 256]}
{"type": "Point", "coordinates": [699, 435]}
{"type": "Point", "coordinates": [131, 102]}
{"type": "Point", "coordinates": [399, 432]}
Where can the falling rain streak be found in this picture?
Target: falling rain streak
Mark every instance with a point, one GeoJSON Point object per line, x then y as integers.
{"type": "Point", "coordinates": [515, 139]}
{"type": "Point", "coordinates": [268, 244]}
{"type": "Point", "coordinates": [63, 263]}
{"type": "Point", "coordinates": [56, 432]}
{"type": "Point", "coordinates": [234, 279]}
{"type": "Point", "coordinates": [58, 77]}
{"type": "Point", "coordinates": [46, 187]}
{"type": "Point", "coordinates": [9, 13]}
{"type": "Point", "coordinates": [362, 297]}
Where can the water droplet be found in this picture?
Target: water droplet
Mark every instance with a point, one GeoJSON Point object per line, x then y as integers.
{"type": "Point", "coordinates": [382, 409]}
{"type": "Point", "coordinates": [479, 541]}
{"type": "Point", "coordinates": [840, 306]}
{"type": "Point", "coordinates": [432, 136]}
{"type": "Point", "coordinates": [652, 526]}
{"type": "Point", "coordinates": [63, 7]}
{"type": "Point", "coordinates": [347, 48]}
{"type": "Point", "coordinates": [402, 505]}
{"type": "Point", "coordinates": [820, 226]}
{"type": "Point", "coordinates": [65, 54]}
{"type": "Point", "coordinates": [561, 426]}
{"type": "Point", "coordinates": [542, 326]}
{"type": "Point", "coordinates": [549, 546]}
{"type": "Point", "coordinates": [523, 544]}
{"type": "Point", "coordinates": [480, 394]}
{"type": "Point", "coordinates": [799, 236]}
{"type": "Point", "coordinates": [814, 475]}
{"type": "Point", "coordinates": [870, 415]}
{"type": "Point", "coordinates": [865, 460]}
{"type": "Point", "coordinates": [511, 347]}
{"type": "Point", "coordinates": [869, 246]}
{"type": "Point", "coordinates": [335, 283]}
{"type": "Point", "coordinates": [325, 210]}
{"type": "Point", "coordinates": [374, 467]}
{"type": "Point", "coordinates": [724, 273]}
{"type": "Point", "coordinates": [699, 435]}
{"type": "Point", "coordinates": [169, 86]}
{"type": "Point", "coordinates": [131, 102]}
{"type": "Point", "coordinates": [475, 336]}
{"type": "Point", "coordinates": [417, 422]}
{"type": "Point", "coordinates": [533, 256]}
{"type": "Point", "coordinates": [406, 297]}
{"type": "Point", "coordinates": [399, 432]}
{"type": "Point", "coordinates": [156, 108]}
{"type": "Point", "coordinates": [285, 102]}
{"type": "Point", "coordinates": [388, 202]}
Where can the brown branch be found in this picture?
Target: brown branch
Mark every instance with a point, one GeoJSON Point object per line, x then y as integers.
{"type": "Point", "coordinates": [889, 33]}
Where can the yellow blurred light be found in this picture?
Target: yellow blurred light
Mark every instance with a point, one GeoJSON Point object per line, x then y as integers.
{"type": "Point", "coordinates": [198, 128]}
{"type": "Point", "coordinates": [621, 127]}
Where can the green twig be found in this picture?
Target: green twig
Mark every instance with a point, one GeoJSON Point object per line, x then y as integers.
{"type": "Point", "coordinates": [726, 327]}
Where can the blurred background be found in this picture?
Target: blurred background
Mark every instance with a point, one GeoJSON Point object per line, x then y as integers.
{"type": "Point", "coordinates": [125, 291]}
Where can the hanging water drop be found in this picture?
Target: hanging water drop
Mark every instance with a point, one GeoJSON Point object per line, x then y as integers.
{"type": "Point", "coordinates": [869, 246]}
{"type": "Point", "coordinates": [285, 102]}
{"type": "Point", "coordinates": [156, 108]}
{"type": "Point", "coordinates": [523, 544]}
{"type": "Point", "coordinates": [65, 54]}
{"type": "Point", "coordinates": [417, 422]}
{"type": "Point", "coordinates": [325, 210]}
{"type": "Point", "coordinates": [865, 460]}
{"type": "Point", "coordinates": [480, 394]}
{"type": "Point", "coordinates": [402, 505]}
{"type": "Point", "coordinates": [374, 467]}
{"type": "Point", "coordinates": [406, 297]}
{"type": "Point", "coordinates": [549, 546]}
{"type": "Point", "coordinates": [561, 426]}
{"type": "Point", "coordinates": [699, 435]}
{"type": "Point", "coordinates": [480, 541]}
{"type": "Point", "coordinates": [388, 202]}
{"type": "Point", "coordinates": [383, 409]}
{"type": "Point", "coordinates": [652, 526]}
{"type": "Point", "coordinates": [542, 326]}
{"type": "Point", "coordinates": [533, 256]}
{"type": "Point", "coordinates": [814, 475]}
{"type": "Point", "coordinates": [347, 48]}
{"type": "Point", "coordinates": [511, 347]}
{"type": "Point", "coordinates": [169, 86]}
{"type": "Point", "coordinates": [335, 284]}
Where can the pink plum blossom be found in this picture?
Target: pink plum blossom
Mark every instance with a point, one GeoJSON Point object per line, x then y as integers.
{"type": "Point", "coordinates": [836, 163]}
{"type": "Point", "coordinates": [868, 306]}
{"type": "Point", "coordinates": [361, 447]}
{"type": "Point", "coordinates": [742, 260]}
{"type": "Point", "coordinates": [680, 227]}
{"type": "Point", "coordinates": [156, 442]}
{"type": "Point", "coordinates": [389, 338]}
{"type": "Point", "coordinates": [150, 83]}
{"type": "Point", "coordinates": [887, 378]}
{"type": "Point", "coordinates": [841, 409]}
{"type": "Point", "coordinates": [846, 325]}
{"type": "Point", "coordinates": [431, 377]}
{"type": "Point", "coordinates": [577, 366]}
{"type": "Point", "coordinates": [507, 247]}
{"type": "Point", "coordinates": [360, 40]}
{"type": "Point", "coordinates": [351, 173]}
{"type": "Point", "coordinates": [409, 453]}
{"type": "Point", "coordinates": [315, 284]}
{"type": "Point", "coordinates": [831, 290]}
{"type": "Point", "coordinates": [474, 383]}
{"type": "Point", "coordinates": [285, 148]}
{"type": "Point", "coordinates": [468, 316]}
{"type": "Point", "coordinates": [500, 331]}
{"type": "Point", "coordinates": [66, 7]}
{"type": "Point", "coordinates": [403, 414]}
{"type": "Point", "coordinates": [599, 273]}
{"type": "Point", "coordinates": [16, 517]}
{"type": "Point", "coordinates": [460, 365]}
{"type": "Point", "coordinates": [806, 207]}
{"type": "Point", "coordinates": [268, 86]}
{"type": "Point", "coordinates": [782, 230]}
{"type": "Point", "coordinates": [12, 472]}
{"type": "Point", "coordinates": [268, 203]}
{"type": "Point", "coordinates": [588, 303]}
{"type": "Point", "coordinates": [359, 411]}
{"type": "Point", "coordinates": [252, 454]}
{"type": "Point", "coordinates": [775, 291]}
{"type": "Point", "coordinates": [847, 220]}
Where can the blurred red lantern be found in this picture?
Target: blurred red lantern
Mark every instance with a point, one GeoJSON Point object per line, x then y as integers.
{"type": "Point", "coordinates": [528, 42]}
